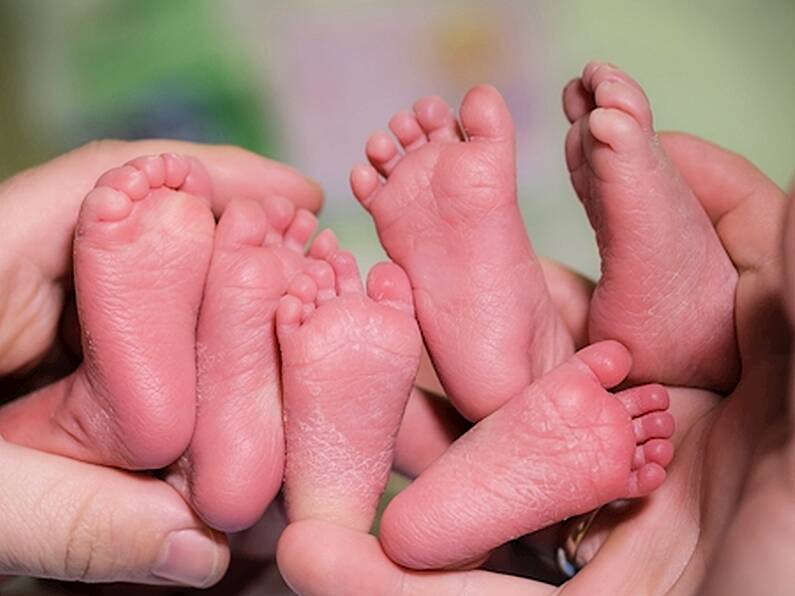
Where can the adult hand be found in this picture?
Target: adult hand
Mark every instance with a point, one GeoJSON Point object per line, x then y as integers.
{"type": "Point", "coordinates": [755, 555]}
{"type": "Point", "coordinates": [665, 543]}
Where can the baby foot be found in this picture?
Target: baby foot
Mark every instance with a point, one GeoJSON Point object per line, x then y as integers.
{"type": "Point", "coordinates": [561, 447]}
{"type": "Point", "coordinates": [348, 365]}
{"type": "Point", "coordinates": [141, 252]}
{"type": "Point", "coordinates": [667, 287]}
{"type": "Point", "coordinates": [447, 214]}
{"type": "Point", "coordinates": [234, 465]}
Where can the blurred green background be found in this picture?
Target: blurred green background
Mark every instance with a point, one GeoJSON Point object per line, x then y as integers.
{"type": "Point", "coordinates": [306, 82]}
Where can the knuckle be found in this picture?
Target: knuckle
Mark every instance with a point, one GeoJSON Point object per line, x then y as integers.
{"type": "Point", "coordinates": [88, 533]}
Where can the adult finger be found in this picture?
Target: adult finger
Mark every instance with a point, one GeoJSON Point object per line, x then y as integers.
{"type": "Point", "coordinates": [317, 557]}
{"type": "Point", "coordinates": [54, 191]}
{"type": "Point", "coordinates": [746, 207]}
{"type": "Point", "coordinates": [571, 294]}
{"type": "Point", "coordinates": [430, 425]}
{"type": "Point", "coordinates": [68, 520]}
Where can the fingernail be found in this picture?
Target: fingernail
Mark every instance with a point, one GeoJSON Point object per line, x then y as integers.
{"type": "Point", "coordinates": [188, 557]}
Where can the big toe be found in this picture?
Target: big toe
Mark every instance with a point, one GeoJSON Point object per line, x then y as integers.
{"type": "Point", "coordinates": [104, 204]}
{"type": "Point", "coordinates": [485, 116]}
{"type": "Point", "coordinates": [242, 223]}
{"type": "Point", "coordinates": [197, 182]}
{"type": "Point", "coordinates": [609, 361]}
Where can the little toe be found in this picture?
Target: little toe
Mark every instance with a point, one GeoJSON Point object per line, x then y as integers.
{"type": "Point", "coordinates": [645, 480]}
{"type": "Point", "coordinates": [437, 120]}
{"type": "Point", "coordinates": [300, 229]}
{"type": "Point", "coordinates": [289, 314]}
{"type": "Point", "coordinates": [243, 222]}
{"type": "Point", "coordinates": [382, 152]}
{"type": "Point", "coordinates": [197, 181]}
{"type": "Point", "coordinates": [587, 73]}
{"type": "Point", "coordinates": [323, 245]}
{"type": "Point", "coordinates": [608, 360]}
{"type": "Point", "coordinates": [575, 155]}
{"type": "Point", "coordinates": [388, 284]}
{"type": "Point", "coordinates": [323, 276]}
{"type": "Point", "coordinates": [658, 451]}
{"type": "Point", "coordinates": [105, 204]}
{"type": "Point", "coordinates": [407, 130]}
{"type": "Point", "coordinates": [152, 167]}
{"type": "Point", "coordinates": [657, 425]}
{"type": "Point", "coordinates": [644, 399]}
{"type": "Point", "coordinates": [577, 101]}
{"type": "Point", "coordinates": [485, 116]}
{"type": "Point", "coordinates": [177, 168]}
{"type": "Point", "coordinates": [127, 179]}
{"type": "Point", "coordinates": [304, 288]}
{"type": "Point", "coordinates": [596, 72]}
{"type": "Point", "coordinates": [364, 182]}
{"type": "Point", "coordinates": [280, 211]}
{"type": "Point", "coordinates": [346, 271]}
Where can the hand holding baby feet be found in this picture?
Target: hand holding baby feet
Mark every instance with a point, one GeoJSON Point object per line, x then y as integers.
{"type": "Point", "coordinates": [561, 447]}
{"type": "Point", "coordinates": [447, 213]}
{"type": "Point", "coordinates": [234, 465]}
{"type": "Point", "coordinates": [349, 359]}
{"type": "Point", "coordinates": [141, 252]}
{"type": "Point", "coordinates": [667, 288]}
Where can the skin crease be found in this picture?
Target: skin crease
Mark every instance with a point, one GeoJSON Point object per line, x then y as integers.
{"type": "Point", "coordinates": [35, 261]}
{"type": "Point", "coordinates": [663, 544]}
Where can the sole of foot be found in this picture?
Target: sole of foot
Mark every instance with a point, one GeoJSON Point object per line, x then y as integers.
{"type": "Point", "coordinates": [667, 285]}
{"type": "Point", "coordinates": [562, 447]}
{"type": "Point", "coordinates": [141, 252]}
{"type": "Point", "coordinates": [444, 205]}
{"type": "Point", "coordinates": [349, 360]}
{"type": "Point", "coordinates": [233, 468]}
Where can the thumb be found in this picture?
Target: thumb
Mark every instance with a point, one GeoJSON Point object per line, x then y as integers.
{"type": "Point", "coordinates": [68, 520]}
